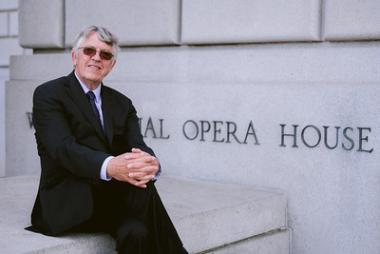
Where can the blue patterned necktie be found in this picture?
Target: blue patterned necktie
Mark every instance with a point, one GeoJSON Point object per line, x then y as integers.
{"type": "Point", "coordinates": [91, 96]}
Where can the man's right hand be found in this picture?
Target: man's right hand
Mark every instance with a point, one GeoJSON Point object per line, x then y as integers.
{"type": "Point", "coordinates": [134, 168]}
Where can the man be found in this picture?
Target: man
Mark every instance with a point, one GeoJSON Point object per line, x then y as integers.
{"type": "Point", "coordinates": [97, 172]}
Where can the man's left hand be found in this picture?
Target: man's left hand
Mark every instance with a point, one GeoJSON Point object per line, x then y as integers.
{"type": "Point", "coordinates": [143, 166]}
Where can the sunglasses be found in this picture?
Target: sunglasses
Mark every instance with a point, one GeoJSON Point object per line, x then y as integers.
{"type": "Point", "coordinates": [90, 51]}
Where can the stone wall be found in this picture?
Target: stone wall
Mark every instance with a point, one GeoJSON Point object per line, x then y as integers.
{"type": "Point", "coordinates": [8, 46]}
{"type": "Point", "coordinates": [276, 94]}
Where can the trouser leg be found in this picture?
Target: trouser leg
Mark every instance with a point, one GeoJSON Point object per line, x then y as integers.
{"type": "Point", "coordinates": [143, 209]}
{"type": "Point", "coordinates": [132, 237]}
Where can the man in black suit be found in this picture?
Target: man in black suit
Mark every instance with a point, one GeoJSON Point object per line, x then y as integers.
{"type": "Point", "coordinates": [97, 172]}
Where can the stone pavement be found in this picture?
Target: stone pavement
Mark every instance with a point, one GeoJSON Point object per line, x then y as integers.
{"type": "Point", "coordinates": [210, 217]}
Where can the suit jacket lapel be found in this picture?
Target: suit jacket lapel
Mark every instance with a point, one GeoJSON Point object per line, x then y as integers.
{"type": "Point", "coordinates": [107, 114]}
{"type": "Point", "coordinates": [79, 97]}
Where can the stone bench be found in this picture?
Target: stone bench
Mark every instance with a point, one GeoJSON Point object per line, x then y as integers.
{"type": "Point", "coordinates": [210, 218]}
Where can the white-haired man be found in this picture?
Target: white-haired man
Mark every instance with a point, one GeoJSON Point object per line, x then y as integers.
{"type": "Point", "coordinates": [97, 174]}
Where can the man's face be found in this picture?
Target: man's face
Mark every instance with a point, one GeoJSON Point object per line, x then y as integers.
{"type": "Point", "coordinates": [92, 69]}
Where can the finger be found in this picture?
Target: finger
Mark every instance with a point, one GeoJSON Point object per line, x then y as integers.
{"type": "Point", "coordinates": [137, 183]}
{"type": "Point", "coordinates": [132, 156]}
{"type": "Point", "coordinates": [138, 154]}
{"type": "Point", "coordinates": [141, 173]}
{"type": "Point", "coordinates": [142, 176]}
{"type": "Point", "coordinates": [129, 156]}
{"type": "Point", "coordinates": [139, 163]}
{"type": "Point", "coordinates": [145, 160]}
{"type": "Point", "coordinates": [137, 150]}
{"type": "Point", "coordinates": [142, 183]}
{"type": "Point", "coordinates": [145, 168]}
{"type": "Point", "coordinates": [137, 175]}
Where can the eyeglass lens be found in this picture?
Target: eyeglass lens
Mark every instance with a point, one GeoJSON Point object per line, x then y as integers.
{"type": "Point", "coordinates": [92, 51]}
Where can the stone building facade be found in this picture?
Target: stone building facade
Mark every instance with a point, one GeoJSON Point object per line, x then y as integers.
{"type": "Point", "coordinates": [270, 93]}
{"type": "Point", "coordinates": [8, 46]}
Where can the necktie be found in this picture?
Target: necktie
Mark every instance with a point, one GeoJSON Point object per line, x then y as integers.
{"type": "Point", "coordinates": [91, 96]}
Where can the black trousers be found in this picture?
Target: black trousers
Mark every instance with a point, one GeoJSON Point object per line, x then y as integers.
{"type": "Point", "coordinates": [135, 217]}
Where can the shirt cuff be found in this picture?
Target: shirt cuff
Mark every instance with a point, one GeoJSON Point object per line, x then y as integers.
{"type": "Point", "coordinates": [103, 169]}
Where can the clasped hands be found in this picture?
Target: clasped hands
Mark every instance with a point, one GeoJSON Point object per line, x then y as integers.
{"type": "Point", "coordinates": [136, 167]}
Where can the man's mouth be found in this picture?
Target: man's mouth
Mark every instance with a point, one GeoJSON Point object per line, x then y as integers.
{"type": "Point", "coordinates": [94, 66]}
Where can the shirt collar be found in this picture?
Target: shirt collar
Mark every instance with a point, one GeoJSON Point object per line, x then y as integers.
{"type": "Point", "coordinates": [96, 91]}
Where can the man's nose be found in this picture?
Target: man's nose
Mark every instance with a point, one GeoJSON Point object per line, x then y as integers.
{"type": "Point", "coordinates": [96, 57]}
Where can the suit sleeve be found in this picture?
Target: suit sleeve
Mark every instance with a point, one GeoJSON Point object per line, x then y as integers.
{"type": "Point", "coordinates": [56, 140]}
{"type": "Point", "coordinates": [133, 133]}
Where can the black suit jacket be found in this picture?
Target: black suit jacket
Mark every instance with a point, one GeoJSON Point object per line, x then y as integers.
{"type": "Point", "coordinates": [72, 147]}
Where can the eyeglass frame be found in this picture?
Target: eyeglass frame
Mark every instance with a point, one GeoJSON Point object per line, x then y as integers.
{"type": "Point", "coordinates": [95, 50]}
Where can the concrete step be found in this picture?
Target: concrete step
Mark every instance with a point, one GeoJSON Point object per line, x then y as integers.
{"type": "Point", "coordinates": [210, 218]}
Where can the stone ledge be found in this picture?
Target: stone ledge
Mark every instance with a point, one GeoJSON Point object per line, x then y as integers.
{"type": "Point", "coordinates": [321, 62]}
{"type": "Point", "coordinates": [46, 15]}
{"type": "Point", "coordinates": [351, 20]}
{"type": "Point", "coordinates": [216, 212]}
{"type": "Point", "coordinates": [241, 21]}
{"type": "Point", "coordinates": [274, 242]}
{"type": "Point", "coordinates": [143, 22]}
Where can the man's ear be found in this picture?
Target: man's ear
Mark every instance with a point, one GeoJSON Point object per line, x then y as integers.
{"type": "Point", "coordinates": [74, 57]}
{"type": "Point", "coordinates": [114, 62]}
